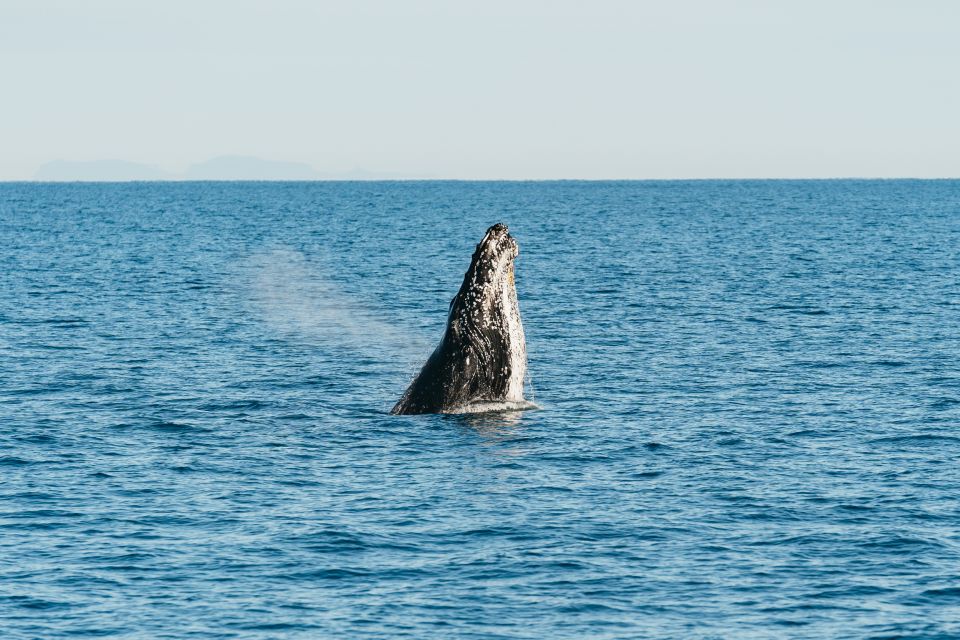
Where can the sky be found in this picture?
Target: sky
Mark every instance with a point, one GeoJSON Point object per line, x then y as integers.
{"type": "Point", "coordinates": [491, 89]}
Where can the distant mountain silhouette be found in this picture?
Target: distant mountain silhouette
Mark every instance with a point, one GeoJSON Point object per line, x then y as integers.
{"type": "Point", "coordinates": [100, 170]}
{"type": "Point", "coordinates": [249, 168]}
{"type": "Point", "coordinates": [220, 168]}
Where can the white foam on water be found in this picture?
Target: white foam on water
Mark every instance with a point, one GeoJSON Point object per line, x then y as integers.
{"type": "Point", "coordinates": [488, 407]}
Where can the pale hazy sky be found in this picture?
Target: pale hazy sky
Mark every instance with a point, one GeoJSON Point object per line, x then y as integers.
{"type": "Point", "coordinates": [488, 89]}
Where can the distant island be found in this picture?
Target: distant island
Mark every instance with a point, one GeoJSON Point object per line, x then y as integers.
{"type": "Point", "coordinates": [219, 168]}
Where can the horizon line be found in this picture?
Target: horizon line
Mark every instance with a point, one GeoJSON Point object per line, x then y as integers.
{"type": "Point", "coordinates": [694, 179]}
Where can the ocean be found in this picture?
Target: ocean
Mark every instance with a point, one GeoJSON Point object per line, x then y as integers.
{"type": "Point", "coordinates": [748, 422]}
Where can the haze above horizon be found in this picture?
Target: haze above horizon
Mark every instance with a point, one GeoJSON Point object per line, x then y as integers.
{"type": "Point", "coordinates": [479, 90]}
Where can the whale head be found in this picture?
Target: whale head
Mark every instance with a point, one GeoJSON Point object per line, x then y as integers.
{"type": "Point", "coordinates": [490, 272]}
{"type": "Point", "coordinates": [482, 357]}
{"type": "Point", "coordinates": [493, 259]}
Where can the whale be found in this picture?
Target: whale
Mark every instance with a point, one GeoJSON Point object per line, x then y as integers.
{"type": "Point", "coordinates": [481, 361]}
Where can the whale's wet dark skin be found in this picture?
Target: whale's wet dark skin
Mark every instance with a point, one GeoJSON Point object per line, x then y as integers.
{"type": "Point", "coordinates": [482, 358]}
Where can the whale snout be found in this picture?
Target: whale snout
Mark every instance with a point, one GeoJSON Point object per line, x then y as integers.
{"type": "Point", "coordinates": [496, 234]}
{"type": "Point", "coordinates": [498, 240]}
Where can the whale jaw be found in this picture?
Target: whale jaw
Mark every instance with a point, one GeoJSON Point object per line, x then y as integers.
{"type": "Point", "coordinates": [482, 357]}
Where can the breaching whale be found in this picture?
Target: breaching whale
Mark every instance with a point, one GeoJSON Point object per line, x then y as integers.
{"type": "Point", "coordinates": [482, 359]}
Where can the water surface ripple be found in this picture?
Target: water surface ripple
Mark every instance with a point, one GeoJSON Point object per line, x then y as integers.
{"type": "Point", "coordinates": [750, 396]}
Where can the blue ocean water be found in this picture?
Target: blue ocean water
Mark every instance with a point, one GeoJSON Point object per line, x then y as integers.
{"type": "Point", "coordinates": [750, 421]}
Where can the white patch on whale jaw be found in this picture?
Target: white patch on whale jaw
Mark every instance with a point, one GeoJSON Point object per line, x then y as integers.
{"type": "Point", "coordinates": [510, 312]}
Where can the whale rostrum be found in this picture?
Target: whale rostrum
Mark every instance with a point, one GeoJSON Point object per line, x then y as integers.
{"type": "Point", "coordinates": [482, 358]}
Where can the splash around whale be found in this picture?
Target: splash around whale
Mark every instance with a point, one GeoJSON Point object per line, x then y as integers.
{"type": "Point", "coordinates": [481, 362]}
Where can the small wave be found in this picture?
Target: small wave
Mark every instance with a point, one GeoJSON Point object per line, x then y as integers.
{"type": "Point", "coordinates": [295, 417]}
{"type": "Point", "coordinates": [332, 573]}
{"type": "Point", "coordinates": [944, 403]}
{"type": "Point", "coordinates": [13, 461]}
{"type": "Point", "coordinates": [805, 432]}
{"type": "Point", "coordinates": [801, 309]}
{"type": "Point", "coordinates": [37, 438]}
{"type": "Point", "coordinates": [916, 438]}
{"type": "Point", "coordinates": [854, 591]}
{"type": "Point", "coordinates": [36, 391]}
{"type": "Point", "coordinates": [167, 426]}
{"type": "Point", "coordinates": [279, 626]}
{"type": "Point", "coordinates": [331, 540]}
{"type": "Point", "coordinates": [235, 405]}
{"type": "Point", "coordinates": [898, 542]}
{"type": "Point", "coordinates": [889, 363]}
{"type": "Point", "coordinates": [66, 322]}
{"type": "Point", "coordinates": [28, 602]}
{"type": "Point", "coordinates": [487, 407]}
{"type": "Point", "coordinates": [945, 592]}
{"type": "Point", "coordinates": [821, 364]}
